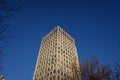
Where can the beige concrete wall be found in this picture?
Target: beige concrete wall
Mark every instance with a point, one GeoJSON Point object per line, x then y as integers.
{"type": "Point", "coordinates": [57, 57]}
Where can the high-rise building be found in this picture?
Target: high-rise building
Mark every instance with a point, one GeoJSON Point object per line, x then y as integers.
{"type": "Point", "coordinates": [57, 57]}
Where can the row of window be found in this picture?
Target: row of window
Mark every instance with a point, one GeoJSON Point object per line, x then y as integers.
{"type": "Point", "coordinates": [51, 75]}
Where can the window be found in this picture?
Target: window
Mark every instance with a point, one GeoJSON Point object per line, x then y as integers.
{"type": "Point", "coordinates": [58, 51]}
{"type": "Point", "coordinates": [54, 71]}
{"type": "Point", "coordinates": [58, 71]}
{"type": "Point", "coordinates": [58, 77]}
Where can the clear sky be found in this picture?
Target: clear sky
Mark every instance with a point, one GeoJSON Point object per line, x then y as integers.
{"type": "Point", "coordinates": [94, 24]}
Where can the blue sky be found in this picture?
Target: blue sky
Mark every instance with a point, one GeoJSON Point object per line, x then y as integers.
{"type": "Point", "coordinates": [94, 24]}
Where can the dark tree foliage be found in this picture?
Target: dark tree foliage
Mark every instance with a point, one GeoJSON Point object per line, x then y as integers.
{"type": "Point", "coordinates": [7, 9]}
{"type": "Point", "coordinates": [92, 70]}
{"type": "Point", "coordinates": [116, 71]}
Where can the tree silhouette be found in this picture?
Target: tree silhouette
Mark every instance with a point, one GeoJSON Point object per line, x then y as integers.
{"type": "Point", "coordinates": [116, 71]}
{"type": "Point", "coordinates": [7, 9]}
{"type": "Point", "coordinates": [92, 70]}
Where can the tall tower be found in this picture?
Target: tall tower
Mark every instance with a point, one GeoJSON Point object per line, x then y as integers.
{"type": "Point", "coordinates": [57, 58]}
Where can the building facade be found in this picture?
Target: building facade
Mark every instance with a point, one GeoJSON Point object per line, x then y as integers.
{"type": "Point", "coordinates": [57, 57]}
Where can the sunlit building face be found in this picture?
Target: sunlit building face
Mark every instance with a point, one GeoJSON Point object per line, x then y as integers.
{"type": "Point", "coordinates": [57, 57]}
